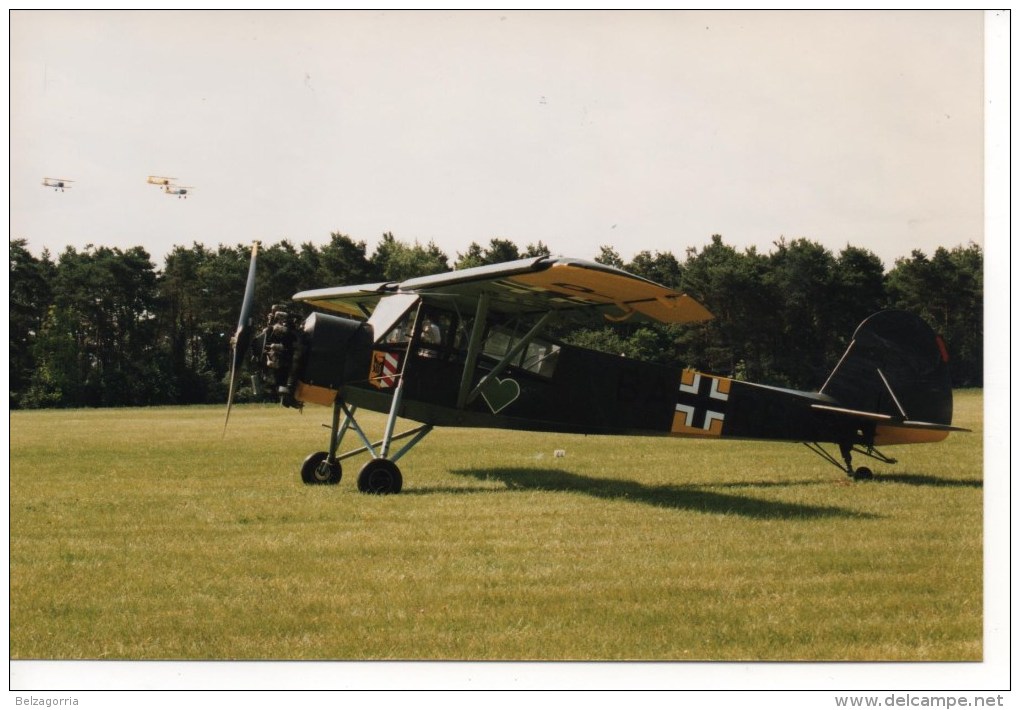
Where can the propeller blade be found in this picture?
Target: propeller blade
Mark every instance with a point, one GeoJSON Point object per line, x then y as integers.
{"type": "Point", "coordinates": [230, 395]}
{"type": "Point", "coordinates": [242, 337]}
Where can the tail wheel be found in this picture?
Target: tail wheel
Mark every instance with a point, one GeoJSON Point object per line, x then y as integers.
{"type": "Point", "coordinates": [380, 477]}
{"type": "Point", "coordinates": [863, 474]}
{"type": "Point", "coordinates": [317, 470]}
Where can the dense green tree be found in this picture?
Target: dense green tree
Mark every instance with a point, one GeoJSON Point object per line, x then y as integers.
{"type": "Point", "coordinates": [662, 268]}
{"type": "Point", "coordinates": [222, 278]}
{"type": "Point", "coordinates": [397, 261]}
{"type": "Point", "coordinates": [801, 275]}
{"type": "Point", "coordinates": [57, 378]}
{"type": "Point", "coordinates": [609, 256]}
{"type": "Point", "coordinates": [282, 273]}
{"type": "Point", "coordinates": [734, 287]}
{"type": "Point", "coordinates": [340, 262]}
{"type": "Point", "coordinates": [185, 296]}
{"type": "Point", "coordinates": [105, 302]}
{"type": "Point", "coordinates": [537, 249]}
{"type": "Point", "coordinates": [30, 298]}
{"type": "Point", "coordinates": [501, 250]}
{"type": "Point", "coordinates": [471, 258]}
{"type": "Point", "coordinates": [498, 251]}
{"type": "Point", "coordinates": [947, 290]}
{"type": "Point", "coordinates": [858, 291]}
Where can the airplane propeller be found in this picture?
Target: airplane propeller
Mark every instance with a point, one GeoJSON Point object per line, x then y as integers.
{"type": "Point", "coordinates": [242, 337]}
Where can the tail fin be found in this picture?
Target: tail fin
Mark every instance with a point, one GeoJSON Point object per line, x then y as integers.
{"type": "Point", "coordinates": [895, 365]}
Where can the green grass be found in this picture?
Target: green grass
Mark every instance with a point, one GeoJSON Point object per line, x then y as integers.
{"type": "Point", "coordinates": [142, 534]}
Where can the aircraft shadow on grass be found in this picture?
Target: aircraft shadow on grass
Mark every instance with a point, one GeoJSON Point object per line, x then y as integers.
{"type": "Point", "coordinates": [918, 479]}
{"type": "Point", "coordinates": [694, 498]}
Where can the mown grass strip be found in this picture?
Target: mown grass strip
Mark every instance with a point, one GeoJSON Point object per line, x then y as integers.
{"type": "Point", "coordinates": [141, 534]}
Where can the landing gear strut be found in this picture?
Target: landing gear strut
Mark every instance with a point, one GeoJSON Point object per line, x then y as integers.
{"type": "Point", "coordinates": [862, 473]}
{"type": "Point", "coordinates": [846, 451]}
{"type": "Point", "coordinates": [381, 475]}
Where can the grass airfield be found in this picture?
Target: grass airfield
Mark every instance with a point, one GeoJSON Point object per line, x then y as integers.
{"type": "Point", "coordinates": [142, 534]}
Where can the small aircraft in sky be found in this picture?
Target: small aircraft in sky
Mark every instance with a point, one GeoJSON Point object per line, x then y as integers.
{"type": "Point", "coordinates": [180, 190]}
{"type": "Point", "coordinates": [57, 183]}
{"type": "Point", "coordinates": [169, 186]}
{"type": "Point", "coordinates": [470, 348]}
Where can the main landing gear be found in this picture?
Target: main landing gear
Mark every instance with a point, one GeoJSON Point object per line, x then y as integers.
{"type": "Point", "coordinates": [381, 475]}
{"type": "Point", "coordinates": [862, 473]}
{"type": "Point", "coordinates": [319, 470]}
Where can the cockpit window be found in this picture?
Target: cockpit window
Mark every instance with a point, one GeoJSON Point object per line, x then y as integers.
{"type": "Point", "coordinates": [445, 335]}
{"type": "Point", "coordinates": [539, 356]}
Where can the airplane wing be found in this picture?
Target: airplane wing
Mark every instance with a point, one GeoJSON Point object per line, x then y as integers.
{"type": "Point", "coordinates": [573, 287]}
{"type": "Point", "coordinates": [357, 301]}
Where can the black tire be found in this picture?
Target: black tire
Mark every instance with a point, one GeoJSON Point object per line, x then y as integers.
{"type": "Point", "coordinates": [863, 474]}
{"type": "Point", "coordinates": [380, 477]}
{"type": "Point", "coordinates": [317, 471]}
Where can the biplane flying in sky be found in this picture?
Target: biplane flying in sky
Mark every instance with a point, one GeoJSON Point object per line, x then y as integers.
{"type": "Point", "coordinates": [169, 186]}
{"type": "Point", "coordinates": [470, 348]}
{"type": "Point", "coordinates": [57, 183]}
{"type": "Point", "coordinates": [180, 190]}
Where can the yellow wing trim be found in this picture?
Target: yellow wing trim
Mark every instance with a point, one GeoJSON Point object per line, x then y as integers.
{"type": "Point", "coordinates": [579, 285]}
{"type": "Point", "coordinates": [347, 308]}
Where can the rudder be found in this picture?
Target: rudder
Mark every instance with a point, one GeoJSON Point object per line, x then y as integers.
{"type": "Point", "coordinates": [896, 365]}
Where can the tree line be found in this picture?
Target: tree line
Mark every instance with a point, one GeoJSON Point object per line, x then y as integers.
{"type": "Point", "coordinates": [104, 326]}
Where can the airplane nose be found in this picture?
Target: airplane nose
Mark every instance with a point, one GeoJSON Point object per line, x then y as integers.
{"type": "Point", "coordinates": [312, 361]}
{"type": "Point", "coordinates": [339, 350]}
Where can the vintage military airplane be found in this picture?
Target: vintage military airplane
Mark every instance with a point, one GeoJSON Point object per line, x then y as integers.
{"type": "Point", "coordinates": [468, 349]}
{"type": "Point", "coordinates": [57, 183]}
{"type": "Point", "coordinates": [160, 180]}
{"type": "Point", "coordinates": [180, 190]}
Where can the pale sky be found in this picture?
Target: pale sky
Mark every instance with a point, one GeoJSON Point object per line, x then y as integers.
{"type": "Point", "coordinates": [641, 130]}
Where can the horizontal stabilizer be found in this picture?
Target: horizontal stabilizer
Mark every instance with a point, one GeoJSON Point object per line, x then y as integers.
{"type": "Point", "coordinates": [873, 416]}
{"type": "Point", "coordinates": [910, 432]}
{"type": "Point", "coordinates": [887, 419]}
{"type": "Point", "coordinates": [895, 430]}
{"type": "Point", "coordinates": [930, 426]}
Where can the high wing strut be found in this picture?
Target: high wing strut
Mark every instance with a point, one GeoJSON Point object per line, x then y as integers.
{"type": "Point", "coordinates": [516, 350]}
{"type": "Point", "coordinates": [474, 348]}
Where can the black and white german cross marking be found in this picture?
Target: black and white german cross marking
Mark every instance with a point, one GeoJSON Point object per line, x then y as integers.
{"type": "Point", "coordinates": [701, 407]}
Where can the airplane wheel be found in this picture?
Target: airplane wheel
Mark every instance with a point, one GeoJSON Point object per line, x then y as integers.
{"type": "Point", "coordinates": [380, 477]}
{"type": "Point", "coordinates": [317, 471]}
{"type": "Point", "coordinates": [862, 474]}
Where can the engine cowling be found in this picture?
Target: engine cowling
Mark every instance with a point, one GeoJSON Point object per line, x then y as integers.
{"type": "Point", "coordinates": [311, 361]}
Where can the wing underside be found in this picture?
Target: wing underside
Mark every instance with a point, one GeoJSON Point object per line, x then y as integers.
{"type": "Point", "coordinates": [357, 301]}
{"type": "Point", "coordinates": [529, 286]}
